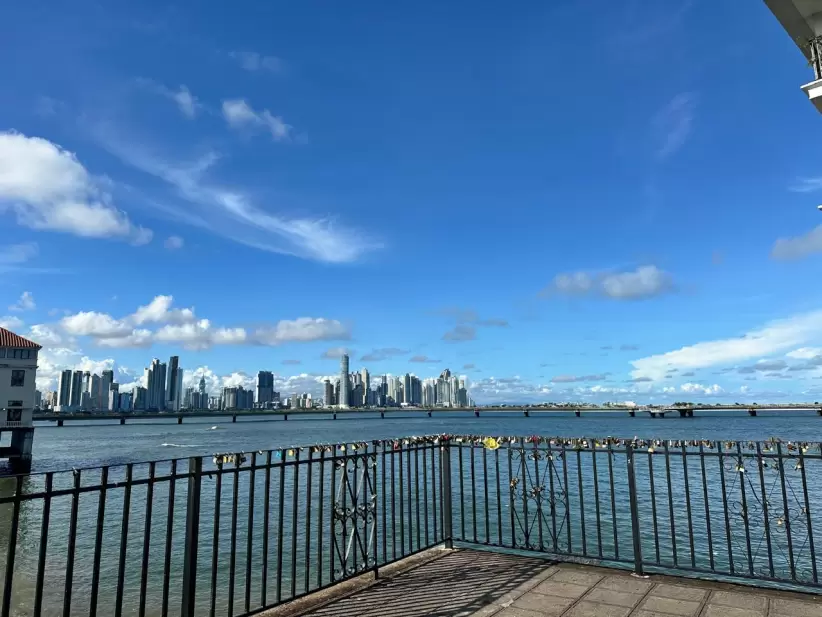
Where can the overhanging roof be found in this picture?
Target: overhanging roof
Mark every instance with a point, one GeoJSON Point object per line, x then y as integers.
{"type": "Point", "coordinates": [801, 19]}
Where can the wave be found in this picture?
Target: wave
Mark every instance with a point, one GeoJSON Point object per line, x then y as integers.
{"type": "Point", "coordinates": [179, 445]}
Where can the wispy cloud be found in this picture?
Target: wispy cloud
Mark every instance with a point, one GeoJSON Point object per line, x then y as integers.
{"type": "Point", "coordinates": [241, 116]}
{"type": "Point", "coordinates": [798, 247]}
{"type": "Point", "coordinates": [644, 282]}
{"type": "Point", "coordinates": [252, 61]}
{"type": "Point", "coordinates": [230, 212]}
{"type": "Point", "coordinates": [673, 124]}
{"type": "Point", "coordinates": [807, 185]}
{"type": "Point", "coordinates": [186, 102]}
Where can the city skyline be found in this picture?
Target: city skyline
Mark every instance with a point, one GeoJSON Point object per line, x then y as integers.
{"type": "Point", "coordinates": [262, 188]}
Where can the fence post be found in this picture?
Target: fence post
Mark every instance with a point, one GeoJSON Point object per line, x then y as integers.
{"type": "Point", "coordinates": [195, 469]}
{"type": "Point", "coordinates": [632, 498]}
{"type": "Point", "coordinates": [445, 493]}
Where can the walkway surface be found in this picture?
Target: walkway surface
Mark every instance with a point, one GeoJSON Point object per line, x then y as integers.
{"type": "Point", "coordinates": [463, 582]}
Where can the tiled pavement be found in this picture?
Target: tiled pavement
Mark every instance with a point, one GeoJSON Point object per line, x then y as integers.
{"type": "Point", "coordinates": [462, 583]}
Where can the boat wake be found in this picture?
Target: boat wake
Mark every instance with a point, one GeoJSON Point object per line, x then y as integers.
{"type": "Point", "coordinates": [179, 445]}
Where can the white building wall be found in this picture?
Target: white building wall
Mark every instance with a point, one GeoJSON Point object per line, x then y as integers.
{"type": "Point", "coordinates": [10, 361]}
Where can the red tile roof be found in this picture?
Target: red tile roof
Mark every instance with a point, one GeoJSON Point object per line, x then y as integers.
{"type": "Point", "coordinates": [10, 339]}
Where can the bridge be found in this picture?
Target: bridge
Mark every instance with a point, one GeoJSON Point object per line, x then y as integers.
{"type": "Point", "coordinates": [527, 411]}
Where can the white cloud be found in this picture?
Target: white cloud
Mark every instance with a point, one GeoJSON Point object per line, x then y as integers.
{"type": "Point", "coordinates": [186, 102]}
{"type": "Point", "coordinates": [47, 188]}
{"type": "Point", "coordinates": [302, 329]}
{"type": "Point", "coordinates": [44, 335]}
{"type": "Point", "coordinates": [644, 282]}
{"type": "Point", "coordinates": [774, 337]}
{"type": "Point", "coordinates": [200, 335]}
{"type": "Point", "coordinates": [11, 322]}
{"type": "Point", "coordinates": [797, 247]}
{"type": "Point", "coordinates": [159, 311]}
{"type": "Point", "coordinates": [230, 213]}
{"type": "Point", "coordinates": [137, 338]}
{"type": "Point", "coordinates": [173, 243]}
{"type": "Point", "coordinates": [240, 115]}
{"type": "Point", "coordinates": [673, 124]}
{"type": "Point", "coordinates": [695, 388]}
{"type": "Point", "coordinates": [252, 61]}
{"type": "Point", "coordinates": [94, 324]}
{"type": "Point", "coordinates": [25, 303]}
{"type": "Point", "coordinates": [335, 353]}
{"type": "Point", "coordinates": [804, 353]}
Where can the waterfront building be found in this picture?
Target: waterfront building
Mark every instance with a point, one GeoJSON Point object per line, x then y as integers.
{"type": "Point", "coordinates": [265, 388]}
{"type": "Point", "coordinates": [106, 379]}
{"type": "Point", "coordinates": [94, 393]}
{"type": "Point", "coordinates": [328, 393]}
{"type": "Point", "coordinates": [18, 374]}
{"type": "Point", "coordinates": [174, 384]}
{"type": "Point", "coordinates": [113, 402]}
{"type": "Point", "coordinates": [76, 390]}
{"type": "Point", "coordinates": [156, 386]}
{"type": "Point", "coordinates": [140, 398]}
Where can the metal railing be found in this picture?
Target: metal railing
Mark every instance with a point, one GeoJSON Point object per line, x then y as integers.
{"type": "Point", "coordinates": [235, 534]}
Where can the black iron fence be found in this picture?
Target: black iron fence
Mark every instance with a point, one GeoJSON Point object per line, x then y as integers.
{"type": "Point", "coordinates": [234, 534]}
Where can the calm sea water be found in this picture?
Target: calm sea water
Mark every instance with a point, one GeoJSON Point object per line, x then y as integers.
{"type": "Point", "coordinates": [584, 507]}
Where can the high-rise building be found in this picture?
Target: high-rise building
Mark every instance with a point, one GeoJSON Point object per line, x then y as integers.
{"type": "Point", "coordinates": [366, 384]}
{"type": "Point", "coordinates": [76, 397]}
{"type": "Point", "coordinates": [127, 401]}
{"type": "Point", "coordinates": [344, 382]}
{"type": "Point", "coordinates": [156, 386]}
{"type": "Point", "coordinates": [265, 388]}
{"type": "Point", "coordinates": [203, 387]}
{"type": "Point", "coordinates": [113, 402]}
{"type": "Point", "coordinates": [140, 398]}
{"type": "Point", "coordinates": [328, 394]}
{"type": "Point", "coordinates": [94, 390]}
{"type": "Point", "coordinates": [106, 379]}
{"type": "Point", "coordinates": [64, 391]}
{"type": "Point", "coordinates": [174, 384]}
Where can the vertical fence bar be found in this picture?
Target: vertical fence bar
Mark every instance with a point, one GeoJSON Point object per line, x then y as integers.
{"type": "Point", "coordinates": [445, 493]}
{"type": "Point", "coordinates": [44, 542]}
{"type": "Point", "coordinates": [333, 542]}
{"type": "Point", "coordinates": [146, 540]}
{"type": "Point", "coordinates": [808, 519]}
{"type": "Point", "coordinates": [308, 496]}
{"type": "Point", "coordinates": [499, 498]}
{"type": "Point", "coordinates": [11, 552]}
{"type": "Point", "coordinates": [671, 516]}
{"type": "Point", "coordinates": [425, 490]}
{"type": "Point", "coordinates": [708, 507]}
{"type": "Point", "coordinates": [688, 505]}
{"type": "Point", "coordinates": [417, 492]}
{"type": "Point", "coordinates": [373, 494]}
{"type": "Point", "coordinates": [294, 495]}
{"type": "Point", "coordinates": [462, 493]}
{"type": "Point", "coordinates": [215, 539]}
{"type": "Point", "coordinates": [472, 452]}
{"type": "Point", "coordinates": [398, 454]}
{"type": "Point", "coordinates": [787, 515]}
{"type": "Point", "coordinates": [551, 473]}
{"type": "Point", "coordinates": [434, 501]}
{"type": "Point", "coordinates": [740, 473]}
{"type": "Point", "coordinates": [725, 506]}
{"type": "Point", "coordinates": [393, 504]}
{"type": "Point", "coordinates": [121, 570]}
{"type": "Point", "coordinates": [98, 544]}
{"type": "Point", "coordinates": [383, 488]}
{"type": "Point", "coordinates": [320, 521]}
{"type": "Point", "coordinates": [195, 479]}
{"type": "Point", "coordinates": [232, 558]}
{"type": "Point", "coordinates": [765, 515]}
{"type": "Point", "coordinates": [566, 495]}
{"type": "Point", "coordinates": [632, 498]}
{"type": "Point", "coordinates": [596, 496]}
{"type": "Point", "coordinates": [653, 502]}
{"type": "Point", "coordinates": [581, 496]}
{"type": "Point", "coordinates": [72, 542]}
{"type": "Point", "coordinates": [485, 487]}
{"type": "Point", "coordinates": [526, 528]}
{"type": "Point", "coordinates": [169, 535]}
{"type": "Point", "coordinates": [613, 499]}
{"type": "Point", "coordinates": [539, 496]}
{"type": "Point", "coordinates": [250, 532]}
{"type": "Point", "coordinates": [408, 493]}
{"type": "Point", "coordinates": [266, 522]}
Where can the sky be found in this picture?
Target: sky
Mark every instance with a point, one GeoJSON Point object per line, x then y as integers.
{"type": "Point", "coordinates": [567, 201]}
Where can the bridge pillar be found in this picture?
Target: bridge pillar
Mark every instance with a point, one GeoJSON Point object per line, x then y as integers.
{"type": "Point", "coordinates": [234, 418]}
{"type": "Point", "coordinates": [686, 413]}
{"type": "Point", "coordinates": [179, 419]}
{"type": "Point", "coordinates": [578, 413]}
{"type": "Point", "coordinates": [752, 413]}
{"type": "Point", "coordinates": [122, 420]}
{"type": "Point", "coordinates": [819, 411]}
{"type": "Point", "coordinates": [21, 443]}
{"type": "Point", "coordinates": [476, 413]}
{"type": "Point", "coordinates": [285, 416]}
{"type": "Point", "coordinates": [335, 415]}
{"type": "Point", "coordinates": [60, 422]}
{"type": "Point", "coordinates": [632, 414]}
{"type": "Point", "coordinates": [429, 414]}
{"type": "Point", "coordinates": [382, 415]}
{"type": "Point", "coordinates": [527, 413]}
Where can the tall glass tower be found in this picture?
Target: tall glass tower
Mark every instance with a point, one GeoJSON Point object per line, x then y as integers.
{"type": "Point", "coordinates": [344, 387]}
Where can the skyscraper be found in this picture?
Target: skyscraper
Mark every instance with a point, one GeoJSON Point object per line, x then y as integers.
{"type": "Point", "coordinates": [344, 379]}
{"type": "Point", "coordinates": [94, 392]}
{"type": "Point", "coordinates": [107, 378]}
{"type": "Point", "coordinates": [366, 385]}
{"type": "Point", "coordinates": [203, 394]}
{"type": "Point", "coordinates": [76, 390]}
{"type": "Point", "coordinates": [328, 398]}
{"type": "Point", "coordinates": [174, 384]}
{"type": "Point", "coordinates": [156, 386]}
{"type": "Point", "coordinates": [64, 391]}
{"type": "Point", "coordinates": [265, 388]}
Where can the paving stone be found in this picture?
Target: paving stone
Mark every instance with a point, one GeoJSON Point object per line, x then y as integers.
{"type": "Point", "coordinates": [609, 596]}
{"type": "Point", "coordinates": [792, 608]}
{"type": "Point", "coordinates": [628, 584]}
{"type": "Point", "coordinates": [577, 577]}
{"type": "Point", "coordinates": [595, 609]}
{"type": "Point", "coordinates": [513, 611]}
{"type": "Point", "coordinates": [649, 614]}
{"type": "Point", "coordinates": [670, 605]}
{"type": "Point", "coordinates": [676, 592]}
{"type": "Point", "coordinates": [545, 605]}
{"type": "Point", "coordinates": [749, 601]}
{"type": "Point", "coordinates": [563, 590]}
{"type": "Point", "coordinates": [718, 610]}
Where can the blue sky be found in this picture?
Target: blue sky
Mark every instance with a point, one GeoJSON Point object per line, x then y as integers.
{"type": "Point", "coordinates": [566, 200]}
